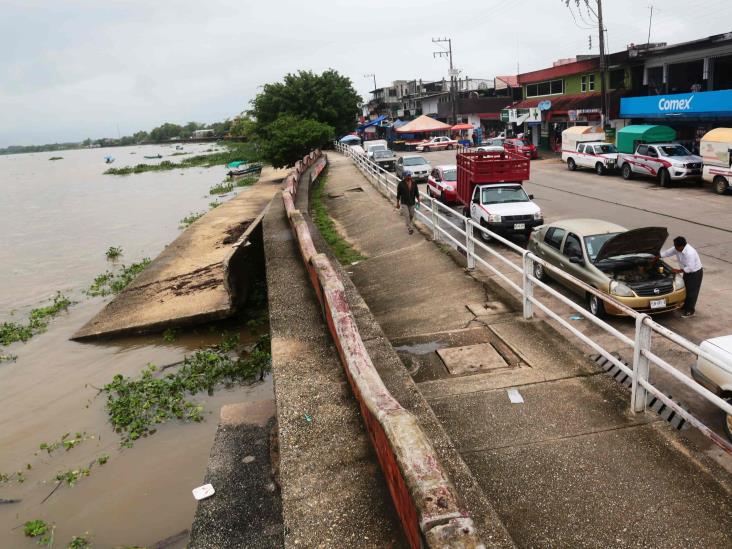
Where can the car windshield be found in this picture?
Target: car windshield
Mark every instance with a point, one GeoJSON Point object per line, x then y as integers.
{"type": "Point", "coordinates": [449, 175]}
{"type": "Point", "coordinates": [605, 149]}
{"type": "Point", "coordinates": [382, 154]}
{"type": "Point", "coordinates": [674, 150]}
{"type": "Point", "coordinates": [374, 148]}
{"type": "Point", "coordinates": [595, 242]}
{"type": "Point", "coordinates": [414, 161]}
{"type": "Point", "coordinates": [501, 195]}
{"type": "Point", "coordinates": [518, 143]}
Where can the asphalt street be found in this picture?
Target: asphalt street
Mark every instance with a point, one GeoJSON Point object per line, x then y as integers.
{"type": "Point", "coordinates": [697, 213]}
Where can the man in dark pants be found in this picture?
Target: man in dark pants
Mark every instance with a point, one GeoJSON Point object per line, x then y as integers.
{"type": "Point", "coordinates": [691, 267]}
{"type": "Point", "coordinates": [408, 196]}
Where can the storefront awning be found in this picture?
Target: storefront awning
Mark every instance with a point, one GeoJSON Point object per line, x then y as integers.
{"type": "Point", "coordinates": [587, 102]}
{"type": "Point", "coordinates": [373, 122]}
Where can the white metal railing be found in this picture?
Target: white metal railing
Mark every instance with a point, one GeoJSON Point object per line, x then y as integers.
{"type": "Point", "coordinates": [464, 236]}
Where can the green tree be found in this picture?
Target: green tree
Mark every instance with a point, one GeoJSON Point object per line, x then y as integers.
{"type": "Point", "coordinates": [165, 132]}
{"type": "Point", "coordinates": [289, 138]}
{"type": "Point", "coordinates": [242, 126]}
{"type": "Point", "coordinates": [328, 98]}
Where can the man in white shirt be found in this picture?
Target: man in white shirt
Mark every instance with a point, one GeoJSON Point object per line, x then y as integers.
{"type": "Point", "coordinates": [691, 267]}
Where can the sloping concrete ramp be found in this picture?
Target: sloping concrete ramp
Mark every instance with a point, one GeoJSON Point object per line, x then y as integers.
{"type": "Point", "coordinates": [191, 280]}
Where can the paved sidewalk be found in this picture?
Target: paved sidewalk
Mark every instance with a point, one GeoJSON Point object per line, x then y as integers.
{"type": "Point", "coordinates": [567, 467]}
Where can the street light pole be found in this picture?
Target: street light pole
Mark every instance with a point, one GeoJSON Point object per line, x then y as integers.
{"type": "Point", "coordinates": [371, 75]}
{"type": "Point", "coordinates": [453, 72]}
{"type": "Point", "coordinates": [603, 66]}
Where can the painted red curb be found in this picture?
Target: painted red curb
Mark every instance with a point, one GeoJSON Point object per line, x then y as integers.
{"type": "Point", "coordinates": [425, 499]}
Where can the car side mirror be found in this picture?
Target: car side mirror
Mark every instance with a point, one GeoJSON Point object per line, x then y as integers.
{"type": "Point", "coordinates": [531, 197]}
{"type": "Point", "coordinates": [577, 260]}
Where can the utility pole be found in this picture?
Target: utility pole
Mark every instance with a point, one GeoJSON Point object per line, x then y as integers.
{"type": "Point", "coordinates": [603, 65]}
{"type": "Point", "coordinates": [374, 77]}
{"type": "Point", "coordinates": [453, 73]}
{"type": "Point", "coordinates": [650, 22]}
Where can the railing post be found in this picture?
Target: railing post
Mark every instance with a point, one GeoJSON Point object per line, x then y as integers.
{"type": "Point", "coordinates": [469, 243]}
{"type": "Point", "coordinates": [528, 292]}
{"type": "Point", "coordinates": [435, 220]}
{"type": "Point", "coordinates": [641, 365]}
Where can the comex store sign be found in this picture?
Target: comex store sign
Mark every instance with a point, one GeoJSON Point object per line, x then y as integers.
{"type": "Point", "coordinates": [697, 104]}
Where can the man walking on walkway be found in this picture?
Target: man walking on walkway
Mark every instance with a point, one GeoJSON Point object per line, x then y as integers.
{"type": "Point", "coordinates": [408, 196]}
{"type": "Point", "coordinates": [691, 267]}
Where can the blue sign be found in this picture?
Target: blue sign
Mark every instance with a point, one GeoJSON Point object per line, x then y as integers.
{"type": "Point", "coordinates": [678, 105]}
{"type": "Point", "coordinates": [545, 105]}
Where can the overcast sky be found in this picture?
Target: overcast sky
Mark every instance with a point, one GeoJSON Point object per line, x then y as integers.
{"type": "Point", "coordinates": [71, 69]}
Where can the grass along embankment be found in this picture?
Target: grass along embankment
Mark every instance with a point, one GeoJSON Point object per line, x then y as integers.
{"type": "Point", "coordinates": [344, 252]}
{"type": "Point", "coordinates": [233, 152]}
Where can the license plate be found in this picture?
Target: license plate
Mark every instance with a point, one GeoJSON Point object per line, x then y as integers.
{"type": "Point", "coordinates": [517, 226]}
{"type": "Point", "coordinates": [658, 303]}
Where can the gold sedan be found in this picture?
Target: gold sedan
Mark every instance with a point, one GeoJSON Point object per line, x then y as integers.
{"type": "Point", "coordinates": [614, 260]}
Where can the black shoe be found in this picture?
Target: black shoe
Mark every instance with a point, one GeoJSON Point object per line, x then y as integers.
{"type": "Point", "coordinates": [687, 314]}
{"type": "Point", "coordinates": [410, 231]}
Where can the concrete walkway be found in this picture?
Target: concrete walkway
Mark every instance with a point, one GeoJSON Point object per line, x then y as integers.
{"type": "Point", "coordinates": [569, 466]}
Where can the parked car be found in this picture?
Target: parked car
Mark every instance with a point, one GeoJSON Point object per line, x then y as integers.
{"type": "Point", "coordinates": [437, 144]}
{"type": "Point", "coordinates": [601, 157]}
{"type": "Point", "coordinates": [616, 261]}
{"type": "Point", "coordinates": [666, 161]}
{"type": "Point", "coordinates": [442, 183]}
{"type": "Point", "coordinates": [385, 158]}
{"type": "Point", "coordinates": [415, 165]}
{"type": "Point", "coordinates": [714, 378]}
{"type": "Point", "coordinates": [716, 153]}
{"type": "Point", "coordinates": [375, 145]}
{"type": "Point", "coordinates": [521, 147]}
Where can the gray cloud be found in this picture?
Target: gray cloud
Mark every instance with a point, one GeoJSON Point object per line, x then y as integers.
{"type": "Point", "coordinates": [79, 68]}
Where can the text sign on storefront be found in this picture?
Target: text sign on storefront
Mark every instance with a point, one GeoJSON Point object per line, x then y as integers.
{"type": "Point", "coordinates": [696, 104]}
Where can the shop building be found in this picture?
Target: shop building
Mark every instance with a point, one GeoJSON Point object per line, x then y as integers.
{"type": "Point", "coordinates": [687, 86]}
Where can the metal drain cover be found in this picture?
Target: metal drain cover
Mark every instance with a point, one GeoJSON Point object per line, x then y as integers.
{"type": "Point", "coordinates": [472, 359]}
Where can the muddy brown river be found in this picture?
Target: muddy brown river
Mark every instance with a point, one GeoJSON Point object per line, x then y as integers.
{"type": "Point", "coordinates": [57, 219]}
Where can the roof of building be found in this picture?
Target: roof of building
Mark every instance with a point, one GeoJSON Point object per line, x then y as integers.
{"type": "Point", "coordinates": [588, 100]}
{"type": "Point", "coordinates": [510, 80]}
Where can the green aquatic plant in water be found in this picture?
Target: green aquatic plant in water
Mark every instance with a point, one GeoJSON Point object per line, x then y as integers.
{"type": "Point", "coordinates": [113, 282]}
{"type": "Point", "coordinates": [113, 252]}
{"type": "Point", "coordinates": [135, 405]}
{"type": "Point", "coordinates": [234, 151]}
{"type": "Point", "coordinates": [222, 188]}
{"type": "Point", "coordinates": [38, 321]}
{"type": "Point", "coordinates": [190, 219]}
{"type": "Point", "coordinates": [56, 158]}
{"type": "Point", "coordinates": [246, 181]}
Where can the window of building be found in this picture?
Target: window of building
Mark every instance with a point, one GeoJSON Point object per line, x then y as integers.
{"type": "Point", "coordinates": [587, 83]}
{"type": "Point", "coordinates": [617, 79]}
{"type": "Point", "coordinates": [392, 92]}
{"type": "Point", "coordinates": [550, 87]}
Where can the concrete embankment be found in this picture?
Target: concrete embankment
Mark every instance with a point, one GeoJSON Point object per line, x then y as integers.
{"type": "Point", "coordinates": [201, 276]}
{"type": "Point", "coordinates": [566, 467]}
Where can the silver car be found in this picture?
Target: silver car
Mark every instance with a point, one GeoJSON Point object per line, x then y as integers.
{"type": "Point", "coordinates": [416, 165]}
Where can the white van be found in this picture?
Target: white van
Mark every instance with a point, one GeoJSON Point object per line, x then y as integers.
{"type": "Point", "coordinates": [375, 145]}
{"type": "Point", "coordinates": [716, 152]}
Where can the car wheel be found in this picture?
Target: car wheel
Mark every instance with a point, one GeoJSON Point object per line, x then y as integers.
{"type": "Point", "coordinates": [596, 305]}
{"type": "Point", "coordinates": [426, 149]}
{"type": "Point", "coordinates": [599, 169]}
{"type": "Point", "coordinates": [449, 147]}
{"type": "Point", "coordinates": [484, 236]}
{"type": "Point", "coordinates": [664, 178]}
{"type": "Point", "coordinates": [627, 172]}
{"type": "Point", "coordinates": [571, 165]}
{"type": "Point", "coordinates": [720, 185]}
{"type": "Point", "coordinates": [539, 271]}
{"type": "Point", "coordinates": [442, 197]}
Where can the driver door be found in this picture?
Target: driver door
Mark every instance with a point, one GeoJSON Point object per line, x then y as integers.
{"type": "Point", "coordinates": [573, 249]}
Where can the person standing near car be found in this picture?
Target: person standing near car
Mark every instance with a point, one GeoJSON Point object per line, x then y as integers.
{"type": "Point", "coordinates": [691, 267]}
{"type": "Point", "coordinates": [408, 196]}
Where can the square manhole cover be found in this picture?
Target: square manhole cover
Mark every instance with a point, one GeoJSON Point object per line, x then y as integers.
{"type": "Point", "coordinates": [490, 308]}
{"type": "Point", "coordinates": [471, 359]}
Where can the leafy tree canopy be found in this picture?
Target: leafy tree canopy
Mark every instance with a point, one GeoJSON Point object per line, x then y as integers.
{"type": "Point", "coordinates": [328, 98]}
{"type": "Point", "coordinates": [289, 138]}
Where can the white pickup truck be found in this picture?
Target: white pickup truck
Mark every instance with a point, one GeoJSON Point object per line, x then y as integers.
{"type": "Point", "coordinates": [666, 161]}
{"type": "Point", "coordinates": [504, 208]}
{"type": "Point", "coordinates": [601, 157]}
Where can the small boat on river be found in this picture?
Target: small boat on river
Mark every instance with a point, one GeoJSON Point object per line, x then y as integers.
{"type": "Point", "coordinates": [241, 167]}
{"type": "Point", "coordinates": [108, 159]}
{"type": "Point", "coordinates": [151, 157]}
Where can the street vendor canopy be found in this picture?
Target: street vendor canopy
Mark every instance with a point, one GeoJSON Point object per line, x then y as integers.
{"type": "Point", "coordinates": [374, 122]}
{"type": "Point", "coordinates": [630, 136]}
{"type": "Point", "coordinates": [458, 127]}
{"type": "Point", "coordinates": [423, 124]}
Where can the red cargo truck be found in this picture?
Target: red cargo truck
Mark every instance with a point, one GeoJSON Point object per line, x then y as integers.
{"type": "Point", "coordinates": [489, 187]}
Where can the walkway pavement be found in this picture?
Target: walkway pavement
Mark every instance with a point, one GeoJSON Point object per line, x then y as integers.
{"type": "Point", "coordinates": [569, 466]}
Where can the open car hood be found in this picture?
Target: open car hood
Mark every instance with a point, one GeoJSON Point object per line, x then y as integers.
{"type": "Point", "coordinates": [646, 240]}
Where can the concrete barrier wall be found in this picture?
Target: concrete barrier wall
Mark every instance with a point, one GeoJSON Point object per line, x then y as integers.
{"type": "Point", "coordinates": [426, 501]}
